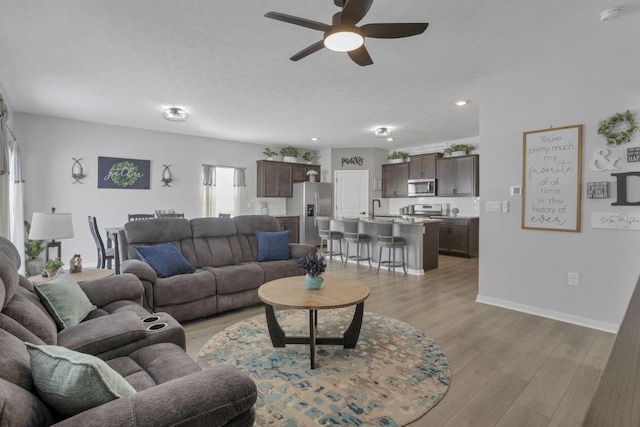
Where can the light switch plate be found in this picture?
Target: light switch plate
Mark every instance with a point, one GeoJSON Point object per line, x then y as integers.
{"type": "Point", "coordinates": [515, 190]}
{"type": "Point", "coordinates": [505, 206]}
{"type": "Point", "coordinates": [492, 206]}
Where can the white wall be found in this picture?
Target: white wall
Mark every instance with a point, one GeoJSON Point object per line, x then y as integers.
{"type": "Point", "coordinates": [527, 269]}
{"type": "Point", "coordinates": [50, 143]}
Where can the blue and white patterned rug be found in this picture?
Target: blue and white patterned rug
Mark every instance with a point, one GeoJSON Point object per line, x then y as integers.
{"type": "Point", "coordinates": [395, 374]}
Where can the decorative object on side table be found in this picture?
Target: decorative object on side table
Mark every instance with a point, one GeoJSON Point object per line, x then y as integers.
{"type": "Point", "coordinates": [269, 153]}
{"type": "Point", "coordinates": [289, 154]}
{"type": "Point", "coordinates": [313, 266]}
{"type": "Point", "coordinates": [609, 128]}
{"type": "Point", "coordinates": [32, 249]}
{"type": "Point", "coordinates": [75, 264]}
{"type": "Point", "coordinates": [398, 156]}
{"type": "Point", "coordinates": [166, 175]}
{"type": "Point", "coordinates": [53, 265]}
{"type": "Point", "coordinates": [77, 173]}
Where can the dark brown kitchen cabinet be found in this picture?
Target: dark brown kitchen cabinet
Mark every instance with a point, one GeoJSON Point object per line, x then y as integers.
{"type": "Point", "coordinates": [290, 223]}
{"type": "Point", "coordinates": [275, 179]}
{"type": "Point", "coordinates": [458, 236]}
{"type": "Point", "coordinates": [394, 180]}
{"type": "Point", "coordinates": [423, 166]}
{"type": "Point", "coordinates": [458, 176]}
{"type": "Point", "coordinates": [300, 172]}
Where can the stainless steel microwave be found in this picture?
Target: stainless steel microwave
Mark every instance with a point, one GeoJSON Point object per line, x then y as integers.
{"type": "Point", "coordinates": [422, 187]}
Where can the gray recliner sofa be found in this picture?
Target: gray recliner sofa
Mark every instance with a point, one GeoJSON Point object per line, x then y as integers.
{"type": "Point", "coordinates": [170, 387]}
{"type": "Point", "coordinates": [224, 252]}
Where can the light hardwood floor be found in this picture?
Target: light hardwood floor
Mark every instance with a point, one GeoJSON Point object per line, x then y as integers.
{"type": "Point", "coordinates": [509, 368]}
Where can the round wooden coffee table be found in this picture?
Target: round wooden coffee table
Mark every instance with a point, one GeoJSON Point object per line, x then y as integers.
{"type": "Point", "coordinates": [291, 292]}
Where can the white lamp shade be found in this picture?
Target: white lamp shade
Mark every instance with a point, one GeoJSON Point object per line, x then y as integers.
{"type": "Point", "coordinates": [50, 226]}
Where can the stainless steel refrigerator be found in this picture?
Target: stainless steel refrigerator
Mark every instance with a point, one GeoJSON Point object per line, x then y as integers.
{"type": "Point", "coordinates": [310, 199]}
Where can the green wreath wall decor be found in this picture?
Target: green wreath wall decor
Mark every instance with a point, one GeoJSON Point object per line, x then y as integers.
{"type": "Point", "coordinates": [124, 173]}
{"type": "Point", "coordinates": [605, 128]}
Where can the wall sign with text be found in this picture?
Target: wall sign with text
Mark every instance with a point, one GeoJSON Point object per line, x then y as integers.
{"type": "Point", "coordinates": [114, 172]}
{"type": "Point", "coordinates": [551, 179]}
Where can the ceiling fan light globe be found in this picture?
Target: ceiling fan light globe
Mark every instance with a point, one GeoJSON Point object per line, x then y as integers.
{"type": "Point", "coordinates": [343, 41]}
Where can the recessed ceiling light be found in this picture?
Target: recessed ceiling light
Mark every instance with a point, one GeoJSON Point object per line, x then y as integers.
{"type": "Point", "coordinates": [175, 114]}
{"type": "Point", "coordinates": [315, 138]}
{"type": "Point", "coordinates": [390, 139]}
{"type": "Point", "coordinates": [382, 132]}
{"type": "Point", "coordinates": [461, 103]}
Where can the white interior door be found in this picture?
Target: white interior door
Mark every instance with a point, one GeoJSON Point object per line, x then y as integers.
{"type": "Point", "coordinates": [351, 193]}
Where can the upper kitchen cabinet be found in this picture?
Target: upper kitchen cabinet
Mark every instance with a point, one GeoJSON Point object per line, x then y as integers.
{"type": "Point", "coordinates": [458, 176]}
{"type": "Point", "coordinates": [423, 166]}
{"type": "Point", "coordinates": [394, 180]}
{"type": "Point", "coordinates": [300, 172]}
{"type": "Point", "coordinates": [275, 179]}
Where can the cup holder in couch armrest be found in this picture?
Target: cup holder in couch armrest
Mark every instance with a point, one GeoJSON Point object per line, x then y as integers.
{"type": "Point", "coordinates": [150, 319]}
{"type": "Point", "coordinates": [157, 327]}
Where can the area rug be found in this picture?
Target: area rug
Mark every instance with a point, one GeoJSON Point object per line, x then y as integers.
{"type": "Point", "coordinates": [394, 376]}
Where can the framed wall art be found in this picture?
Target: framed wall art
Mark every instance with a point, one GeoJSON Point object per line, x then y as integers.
{"type": "Point", "coordinates": [551, 179]}
{"type": "Point", "coordinates": [114, 172]}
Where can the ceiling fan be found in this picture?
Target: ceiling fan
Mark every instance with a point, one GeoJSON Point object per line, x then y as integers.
{"type": "Point", "coordinates": [344, 36]}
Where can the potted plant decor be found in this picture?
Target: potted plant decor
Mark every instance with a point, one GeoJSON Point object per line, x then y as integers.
{"type": "Point", "coordinates": [53, 266]}
{"type": "Point", "coordinates": [289, 154]}
{"type": "Point", "coordinates": [313, 266]}
{"type": "Point", "coordinates": [269, 153]}
{"type": "Point", "coordinates": [398, 156]}
{"type": "Point", "coordinates": [308, 157]}
{"type": "Point", "coordinates": [32, 249]}
{"type": "Point", "coordinates": [459, 150]}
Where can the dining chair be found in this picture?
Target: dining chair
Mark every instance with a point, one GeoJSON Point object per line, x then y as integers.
{"type": "Point", "coordinates": [171, 215]}
{"type": "Point", "coordinates": [105, 255]}
{"type": "Point", "coordinates": [137, 217]}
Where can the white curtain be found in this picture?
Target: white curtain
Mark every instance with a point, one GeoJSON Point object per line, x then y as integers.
{"type": "Point", "coordinates": [239, 192]}
{"type": "Point", "coordinates": [16, 203]}
{"type": "Point", "coordinates": [4, 175]}
{"type": "Point", "coordinates": [208, 190]}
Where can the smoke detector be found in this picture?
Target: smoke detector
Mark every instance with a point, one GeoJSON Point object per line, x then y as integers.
{"type": "Point", "coordinates": [610, 14]}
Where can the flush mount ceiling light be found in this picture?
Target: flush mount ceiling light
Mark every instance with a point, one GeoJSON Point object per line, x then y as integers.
{"type": "Point", "coordinates": [315, 138]}
{"type": "Point", "coordinates": [343, 40]}
{"type": "Point", "coordinates": [175, 114]}
{"type": "Point", "coordinates": [461, 103]}
{"type": "Point", "coordinates": [382, 132]}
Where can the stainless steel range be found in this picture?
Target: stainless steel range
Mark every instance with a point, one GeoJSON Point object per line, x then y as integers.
{"type": "Point", "coordinates": [427, 210]}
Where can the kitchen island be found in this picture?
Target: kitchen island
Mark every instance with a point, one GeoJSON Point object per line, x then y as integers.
{"type": "Point", "coordinates": [421, 236]}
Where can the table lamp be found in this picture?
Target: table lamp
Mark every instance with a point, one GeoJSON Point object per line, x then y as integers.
{"type": "Point", "coordinates": [45, 226]}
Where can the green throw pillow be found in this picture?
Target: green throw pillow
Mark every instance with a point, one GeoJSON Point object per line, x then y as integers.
{"type": "Point", "coordinates": [64, 300]}
{"type": "Point", "coordinates": [72, 382]}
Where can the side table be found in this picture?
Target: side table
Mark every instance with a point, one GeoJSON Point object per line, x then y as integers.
{"type": "Point", "coordinates": [86, 275]}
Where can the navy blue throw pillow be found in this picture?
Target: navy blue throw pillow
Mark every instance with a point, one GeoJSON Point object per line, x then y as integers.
{"type": "Point", "coordinates": [273, 246]}
{"type": "Point", "coordinates": [165, 259]}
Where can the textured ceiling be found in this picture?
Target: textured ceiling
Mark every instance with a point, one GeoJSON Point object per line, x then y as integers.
{"type": "Point", "coordinates": [122, 62]}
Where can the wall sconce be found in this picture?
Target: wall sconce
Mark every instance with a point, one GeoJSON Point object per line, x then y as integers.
{"type": "Point", "coordinates": [77, 173]}
{"type": "Point", "coordinates": [166, 175]}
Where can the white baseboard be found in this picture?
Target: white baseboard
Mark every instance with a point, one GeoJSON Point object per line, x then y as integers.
{"type": "Point", "coordinates": [555, 315]}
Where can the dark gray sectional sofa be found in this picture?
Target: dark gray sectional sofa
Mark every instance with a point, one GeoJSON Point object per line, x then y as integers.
{"type": "Point", "coordinates": [224, 252]}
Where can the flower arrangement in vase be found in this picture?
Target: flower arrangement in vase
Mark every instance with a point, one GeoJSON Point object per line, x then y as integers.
{"type": "Point", "coordinates": [313, 266]}
{"type": "Point", "coordinates": [52, 267]}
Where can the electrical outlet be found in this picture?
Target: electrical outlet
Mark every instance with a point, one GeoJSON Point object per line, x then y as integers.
{"type": "Point", "coordinates": [574, 279]}
{"type": "Point", "coordinates": [505, 206]}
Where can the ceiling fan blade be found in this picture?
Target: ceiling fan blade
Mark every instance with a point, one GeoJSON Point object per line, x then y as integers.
{"type": "Point", "coordinates": [360, 56]}
{"type": "Point", "coordinates": [308, 50]}
{"type": "Point", "coordinates": [393, 31]}
{"type": "Point", "coordinates": [354, 11]}
{"type": "Point", "coordinates": [314, 25]}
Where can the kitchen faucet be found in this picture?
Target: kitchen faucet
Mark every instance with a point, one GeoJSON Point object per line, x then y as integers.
{"type": "Point", "coordinates": [373, 207]}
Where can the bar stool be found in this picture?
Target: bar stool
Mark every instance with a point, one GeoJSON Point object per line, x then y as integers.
{"type": "Point", "coordinates": [327, 235]}
{"type": "Point", "coordinates": [386, 239]}
{"type": "Point", "coordinates": [352, 235]}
